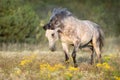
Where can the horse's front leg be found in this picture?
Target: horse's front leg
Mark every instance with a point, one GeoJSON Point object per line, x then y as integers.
{"type": "Point", "coordinates": [76, 47]}
{"type": "Point", "coordinates": [65, 49]}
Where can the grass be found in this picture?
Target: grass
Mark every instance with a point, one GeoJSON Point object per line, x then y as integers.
{"type": "Point", "coordinates": [38, 64]}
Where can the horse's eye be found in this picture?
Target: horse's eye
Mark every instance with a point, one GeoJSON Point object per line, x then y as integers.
{"type": "Point", "coordinates": [51, 20]}
{"type": "Point", "coordinates": [53, 35]}
{"type": "Point", "coordinates": [50, 24]}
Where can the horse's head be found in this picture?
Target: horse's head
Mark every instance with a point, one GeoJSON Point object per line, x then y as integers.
{"type": "Point", "coordinates": [52, 36]}
{"type": "Point", "coordinates": [56, 18]}
{"type": "Point", "coordinates": [49, 26]}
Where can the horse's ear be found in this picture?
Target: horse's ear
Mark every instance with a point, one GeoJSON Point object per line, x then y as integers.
{"type": "Point", "coordinates": [45, 27]}
{"type": "Point", "coordinates": [54, 10]}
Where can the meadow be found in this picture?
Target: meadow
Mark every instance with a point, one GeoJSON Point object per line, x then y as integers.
{"type": "Point", "coordinates": [36, 62]}
{"type": "Point", "coordinates": [24, 53]}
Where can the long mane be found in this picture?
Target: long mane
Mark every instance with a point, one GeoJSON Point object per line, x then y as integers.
{"type": "Point", "coordinates": [62, 12]}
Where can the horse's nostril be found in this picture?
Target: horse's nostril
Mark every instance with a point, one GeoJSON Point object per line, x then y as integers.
{"type": "Point", "coordinates": [52, 49]}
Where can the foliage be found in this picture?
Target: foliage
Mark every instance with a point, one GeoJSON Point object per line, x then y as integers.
{"type": "Point", "coordinates": [22, 20]}
{"type": "Point", "coordinates": [106, 13]}
{"type": "Point", "coordinates": [18, 22]}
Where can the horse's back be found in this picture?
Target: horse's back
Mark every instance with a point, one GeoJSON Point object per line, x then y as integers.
{"type": "Point", "coordinates": [83, 30]}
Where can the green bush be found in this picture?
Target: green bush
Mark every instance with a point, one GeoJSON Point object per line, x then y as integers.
{"type": "Point", "coordinates": [18, 22]}
{"type": "Point", "coordinates": [22, 20]}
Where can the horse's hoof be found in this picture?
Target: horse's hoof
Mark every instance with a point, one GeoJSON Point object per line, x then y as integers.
{"type": "Point", "coordinates": [75, 65]}
{"type": "Point", "coordinates": [91, 63]}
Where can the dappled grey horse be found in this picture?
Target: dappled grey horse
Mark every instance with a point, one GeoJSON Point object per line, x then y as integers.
{"type": "Point", "coordinates": [72, 31]}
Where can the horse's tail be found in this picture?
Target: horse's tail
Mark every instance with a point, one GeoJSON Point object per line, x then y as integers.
{"type": "Point", "coordinates": [101, 37]}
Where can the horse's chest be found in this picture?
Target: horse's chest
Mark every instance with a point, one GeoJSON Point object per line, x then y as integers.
{"type": "Point", "coordinates": [67, 38]}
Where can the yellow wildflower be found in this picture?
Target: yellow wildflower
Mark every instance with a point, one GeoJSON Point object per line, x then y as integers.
{"type": "Point", "coordinates": [72, 69]}
{"type": "Point", "coordinates": [104, 66]}
{"type": "Point", "coordinates": [49, 75]}
{"type": "Point", "coordinates": [68, 74]}
{"type": "Point", "coordinates": [111, 55]}
{"type": "Point", "coordinates": [27, 59]}
{"type": "Point", "coordinates": [24, 62]}
{"type": "Point", "coordinates": [117, 78]}
{"type": "Point", "coordinates": [59, 66]}
{"type": "Point", "coordinates": [99, 65]}
{"type": "Point", "coordinates": [44, 66]}
{"type": "Point", "coordinates": [51, 68]}
{"type": "Point", "coordinates": [17, 71]}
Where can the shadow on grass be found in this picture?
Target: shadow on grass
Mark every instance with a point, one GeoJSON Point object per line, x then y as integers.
{"type": "Point", "coordinates": [83, 59]}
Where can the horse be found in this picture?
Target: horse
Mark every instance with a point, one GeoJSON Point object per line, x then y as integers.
{"type": "Point", "coordinates": [73, 31]}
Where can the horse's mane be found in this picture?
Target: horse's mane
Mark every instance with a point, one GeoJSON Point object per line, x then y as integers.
{"type": "Point", "coordinates": [62, 12]}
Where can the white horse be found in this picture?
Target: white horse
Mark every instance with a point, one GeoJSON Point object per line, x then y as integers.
{"type": "Point", "coordinates": [72, 31]}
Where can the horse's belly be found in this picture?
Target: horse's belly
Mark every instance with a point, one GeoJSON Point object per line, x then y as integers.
{"type": "Point", "coordinates": [86, 39]}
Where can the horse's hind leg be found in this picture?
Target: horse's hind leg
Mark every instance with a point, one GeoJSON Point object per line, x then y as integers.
{"type": "Point", "coordinates": [65, 49]}
{"type": "Point", "coordinates": [92, 54]}
{"type": "Point", "coordinates": [96, 45]}
{"type": "Point", "coordinates": [90, 48]}
{"type": "Point", "coordinates": [74, 57]}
